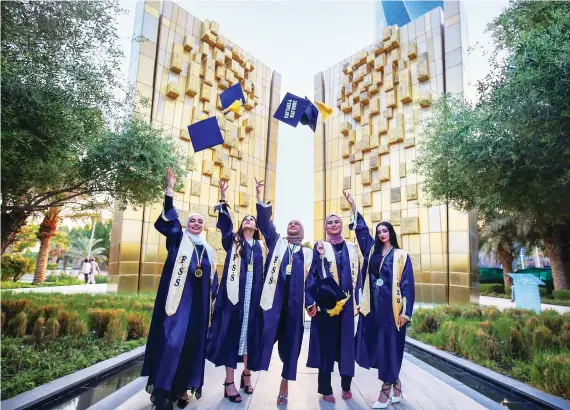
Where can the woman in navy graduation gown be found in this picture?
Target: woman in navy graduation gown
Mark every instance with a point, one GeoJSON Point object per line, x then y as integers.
{"type": "Point", "coordinates": [283, 293]}
{"type": "Point", "coordinates": [332, 337]}
{"type": "Point", "coordinates": [237, 322]}
{"type": "Point", "coordinates": [386, 305]}
{"type": "Point", "coordinates": [176, 347]}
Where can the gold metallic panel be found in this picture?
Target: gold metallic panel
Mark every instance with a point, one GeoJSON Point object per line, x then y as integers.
{"type": "Point", "coordinates": [366, 177]}
{"type": "Point", "coordinates": [391, 99]}
{"type": "Point", "coordinates": [395, 55]}
{"type": "Point", "coordinates": [374, 106]}
{"type": "Point", "coordinates": [424, 99]}
{"type": "Point", "coordinates": [352, 137]}
{"type": "Point", "coordinates": [345, 128]}
{"type": "Point", "coordinates": [423, 67]}
{"type": "Point", "coordinates": [412, 192]}
{"type": "Point", "coordinates": [373, 162]}
{"type": "Point", "coordinates": [395, 37]}
{"type": "Point", "coordinates": [172, 90]}
{"type": "Point", "coordinates": [207, 167]}
{"type": "Point", "coordinates": [396, 218]}
{"type": "Point", "coordinates": [388, 113]}
{"type": "Point", "coordinates": [205, 92]}
{"type": "Point", "coordinates": [395, 195]}
{"type": "Point", "coordinates": [346, 182]}
{"type": "Point", "coordinates": [184, 134]}
{"type": "Point", "coordinates": [384, 149]}
{"type": "Point", "coordinates": [218, 156]}
{"type": "Point", "coordinates": [357, 112]}
{"type": "Point", "coordinates": [188, 42]}
{"type": "Point", "coordinates": [225, 173]}
{"type": "Point", "coordinates": [410, 225]}
{"type": "Point", "coordinates": [176, 58]}
{"type": "Point", "coordinates": [344, 205]}
{"type": "Point", "coordinates": [376, 186]}
{"type": "Point", "coordinates": [243, 179]}
{"type": "Point", "coordinates": [244, 199]}
{"type": "Point", "coordinates": [346, 149]}
{"type": "Point", "coordinates": [376, 216]}
{"type": "Point", "coordinates": [395, 135]}
{"type": "Point", "coordinates": [367, 199]}
{"type": "Point", "coordinates": [204, 49]}
{"type": "Point", "coordinates": [382, 125]}
{"type": "Point", "coordinates": [405, 86]}
{"type": "Point", "coordinates": [402, 169]}
{"type": "Point", "coordinates": [384, 173]}
{"type": "Point", "coordinates": [388, 79]}
{"type": "Point", "coordinates": [409, 142]}
{"type": "Point", "coordinates": [412, 50]}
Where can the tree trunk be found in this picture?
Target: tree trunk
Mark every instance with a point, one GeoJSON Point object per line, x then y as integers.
{"type": "Point", "coordinates": [45, 233]}
{"type": "Point", "coordinates": [12, 223]}
{"type": "Point", "coordinates": [506, 260]}
{"type": "Point", "coordinates": [554, 248]}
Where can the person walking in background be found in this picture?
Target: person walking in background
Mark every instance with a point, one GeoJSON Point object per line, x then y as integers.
{"type": "Point", "coordinates": [86, 269]}
{"type": "Point", "coordinates": [94, 270]}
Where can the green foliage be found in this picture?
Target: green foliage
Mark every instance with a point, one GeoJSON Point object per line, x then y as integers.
{"type": "Point", "coordinates": [25, 239]}
{"type": "Point", "coordinates": [491, 288]}
{"type": "Point", "coordinates": [562, 294]}
{"type": "Point", "coordinates": [101, 278]}
{"type": "Point", "coordinates": [67, 141]}
{"type": "Point", "coordinates": [529, 347]}
{"type": "Point", "coordinates": [14, 266]}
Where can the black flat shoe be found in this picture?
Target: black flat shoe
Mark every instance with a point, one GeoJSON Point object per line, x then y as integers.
{"type": "Point", "coordinates": [182, 403]}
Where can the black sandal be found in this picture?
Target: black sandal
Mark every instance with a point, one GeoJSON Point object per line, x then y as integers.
{"type": "Point", "coordinates": [247, 389]}
{"type": "Point", "coordinates": [236, 398]}
{"type": "Point", "coordinates": [397, 399]}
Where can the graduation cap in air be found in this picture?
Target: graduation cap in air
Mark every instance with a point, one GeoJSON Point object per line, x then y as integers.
{"type": "Point", "coordinates": [328, 295]}
{"type": "Point", "coordinates": [205, 133]}
{"type": "Point", "coordinates": [232, 99]}
{"type": "Point", "coordinates": [294, 109]}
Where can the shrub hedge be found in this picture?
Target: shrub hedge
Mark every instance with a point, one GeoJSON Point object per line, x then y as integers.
{"type": "Point", "coordinates": [59, 334]}
{"type": "Point", "coordinates": [533, 348]}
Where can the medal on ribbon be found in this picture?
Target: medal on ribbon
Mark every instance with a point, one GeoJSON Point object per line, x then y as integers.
{"type": "Point", "coordinates": [198, 272]}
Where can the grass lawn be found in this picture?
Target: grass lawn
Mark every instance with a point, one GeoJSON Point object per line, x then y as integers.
{"type": "Point", "coordinates": [534, 349]}
{"type": "Point", "coordinates": [51, 280]}
{"type": "Point", "coordinates": [59, 334]}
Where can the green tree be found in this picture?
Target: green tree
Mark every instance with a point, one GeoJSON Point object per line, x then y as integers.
{"type": "Point", "coordinates": [510, 152]}
{"type": "Point", "coordinates": [80, 249]}
{"type": "Point", "coordinates": [67, 141]}
{"type": "Point", "coordinates": [25, 239]}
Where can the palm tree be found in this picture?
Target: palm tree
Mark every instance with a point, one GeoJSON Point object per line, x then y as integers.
{"type": "Point", "coordinates": [46, 231]}
{"type": "Point", "coordinates": [80, 249]}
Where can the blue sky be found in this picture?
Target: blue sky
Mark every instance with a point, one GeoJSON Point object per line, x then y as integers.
{"type": "Point", "coordinates": [299, 39]}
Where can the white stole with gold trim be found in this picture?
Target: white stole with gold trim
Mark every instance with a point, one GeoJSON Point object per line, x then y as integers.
{"type": "Point", "coordinates": [232, 282]}
{"type": "Point", "coordinates": [270, 285]}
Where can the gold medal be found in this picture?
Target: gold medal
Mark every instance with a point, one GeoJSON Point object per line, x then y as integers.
{"type": "Point", "coordinates": [289, 268]}
{"type": "Point", "coordinates": [198, 273]}
{"type": "Point", "coordinates": [250, 267]}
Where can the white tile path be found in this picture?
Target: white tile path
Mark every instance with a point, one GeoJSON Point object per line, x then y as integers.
{"type": "Point", "coordinates": [422, 390]}
{"type": "Point", "coordinates": [506, 303]}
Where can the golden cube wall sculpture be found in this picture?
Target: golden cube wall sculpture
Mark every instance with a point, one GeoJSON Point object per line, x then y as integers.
{"type": "Point", "coordinates": [189, 68]}
{"type": "Point", "coordinates": [383, 80]}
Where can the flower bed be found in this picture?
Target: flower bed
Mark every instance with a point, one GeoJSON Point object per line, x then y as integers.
{"type": "Point", "coordinates": [534, 349]}
{"type": "Point", "coordinates": [54, 334]}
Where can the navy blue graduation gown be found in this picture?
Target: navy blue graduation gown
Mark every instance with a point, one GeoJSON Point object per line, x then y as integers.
{"type": "Point", "coordinates": [225, 330]}
{"type": "Point", "coordinates": [379, 343]}
{"type": "Point", "coordinates": [176, 346]}
{"type": "Point", "coordinates": [284, 322]}
{"type": "Point", "coordinates": [332, 338]}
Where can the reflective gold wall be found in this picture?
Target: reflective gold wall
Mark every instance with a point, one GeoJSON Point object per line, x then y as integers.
{"type": "Point", "coordinates": [381, 96]}
{"type": "Point", "coordinates": [182, 65]}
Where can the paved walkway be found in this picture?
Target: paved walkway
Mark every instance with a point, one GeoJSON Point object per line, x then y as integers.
{"type": "Point", "coordinates": [423, 389]}
{"type": "Point", "coordinates": [506, 303]}
{"type": "Point", "coordinates": [68, 290]}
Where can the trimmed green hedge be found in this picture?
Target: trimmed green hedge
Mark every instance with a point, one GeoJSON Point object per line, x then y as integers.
{"type": "Point", "coordinates": [532, 348]}
{"type": "Point", "coordinates": [491, 288]}
{"type": "Point", "coordinates": [562, 294]}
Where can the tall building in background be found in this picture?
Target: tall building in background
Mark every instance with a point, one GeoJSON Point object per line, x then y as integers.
{"type": "Point", "coordinates": [401, 12]}
{"type": "Point", "coordinates": [181, 66]}
{"type": "Point", "coordinates": [381, 95]}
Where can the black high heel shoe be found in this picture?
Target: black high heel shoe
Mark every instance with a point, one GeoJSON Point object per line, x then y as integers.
{"type": "Point", "coordinates": [182, 403]}
{"type": "Point", "coordinates": [236, 398]}
{"type": "Point", "coordinates": [247, 389]}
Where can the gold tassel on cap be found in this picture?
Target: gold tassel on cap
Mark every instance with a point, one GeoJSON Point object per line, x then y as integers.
{"type": "Point", "coordinates": [202, 117]}
{"type": "Point", "coordinates": [325, 110]}
{"type": "Point", "coordinates": [236, 107]}
{"type": "Point", "coordinates": [339, 305]}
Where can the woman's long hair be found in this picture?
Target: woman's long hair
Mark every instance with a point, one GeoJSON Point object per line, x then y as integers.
{"type": "Point", "coordinates": [239, 238]}
{"type": "Point", "coordinates": [393, 238]}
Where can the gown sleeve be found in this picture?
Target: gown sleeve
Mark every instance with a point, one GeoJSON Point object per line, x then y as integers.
{"type": "Point", "coordinates": [225, 225]}
{"type": "Point", "coordinates": [214, 286]}
{"type": "Point", "coordinates": [168, 223]}
{"type": "Point", "coordinates": [265, 224]}
{"type": "Point", "coordinates": [314, 271]}
{"type": "Point", "coordinates": [408, 289]}
{"type": "Point", "coordinates": [365, 240]}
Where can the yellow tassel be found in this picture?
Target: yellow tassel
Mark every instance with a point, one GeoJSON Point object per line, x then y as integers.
{"type": "Point", "coordinates": [202, 117]}
{"type": "Point", "coordinates": [236, 107]}
{"type": "Point", "coordinates": [325, 110]}
{"type": "Point", "coordinates": [338, 308]}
